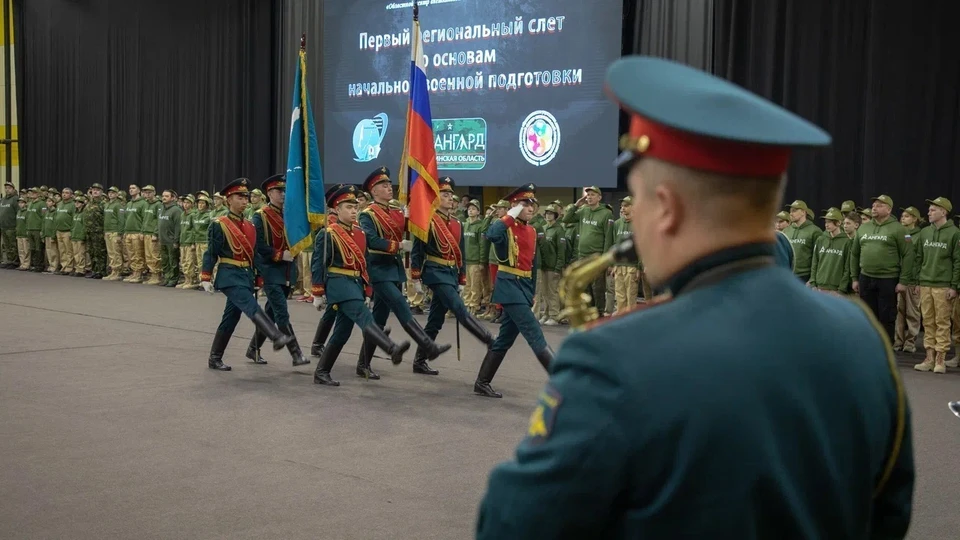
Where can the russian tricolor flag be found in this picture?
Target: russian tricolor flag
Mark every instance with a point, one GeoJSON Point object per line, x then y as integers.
{"type": "Point", "coordinates": [418, 165]}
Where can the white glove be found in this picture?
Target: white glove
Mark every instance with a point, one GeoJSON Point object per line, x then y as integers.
{"type": "Point", "coordinates": [515, 211]}
{"type": "Point", "coordinates": [406, 211]}
{"type": "Point", "coordinates": [418, 286]}
{"type": "Point", "coordinates": [287, 256]}
{"type": "Point", "coordinates": [320, 302]}
{"type": "Point", "coordinates": [368, 302]}
{"type": "Point", "coordinates": [406, 245]}
{"type": "Point", "coordinates": [207, 286]}
{"type": "Point", "coordinates": [460, 289]}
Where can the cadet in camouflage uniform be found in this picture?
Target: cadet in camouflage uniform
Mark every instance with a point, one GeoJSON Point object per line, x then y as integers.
{"type": "Point", "coordinates": [96, 244]}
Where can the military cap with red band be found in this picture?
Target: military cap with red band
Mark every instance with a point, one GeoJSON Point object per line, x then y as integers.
{"type": "Point", "coordinates": [240, 186]}
{"type": "Point", "coordinates": [341, 193]}
{"type": "Point", "coordinates": [277, 181]}
{"type": "Point", "coordinates": [526, 192]}
{"type": "Point", "coordinates": [382, 174]}
{"type": "Point", "coordinates": [690, 118]}
{"type": "Point", "coordinates": [445, 183]}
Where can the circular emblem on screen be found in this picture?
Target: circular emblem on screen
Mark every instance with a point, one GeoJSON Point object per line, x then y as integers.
{"type": "Point", "coordinates": [539, 138]}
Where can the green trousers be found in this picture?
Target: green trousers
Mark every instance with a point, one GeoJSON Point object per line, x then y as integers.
{"type": "Point", "coordinates": [8, 246]}
{"type": "Point", "coordinates": [170, 263]}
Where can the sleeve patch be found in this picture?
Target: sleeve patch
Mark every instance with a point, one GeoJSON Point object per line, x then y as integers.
{"type": "Point", "coordinates": [544, 415]}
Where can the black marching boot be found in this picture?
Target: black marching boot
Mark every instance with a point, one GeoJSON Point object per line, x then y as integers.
{"type": "Point", "coordinates": [363, 361]}
{"type": "Point", "coordinates": [256, 343]}
{"type": "Point", "coordinates": [320, 337]}
{"type": "Point", "coordinates": [472, 325]}
{"type": "Point", "coordinates": [215, 361]}
{"type": "Point", "coordinates": [425, 346]}
{"type": "Point", "coordinates": [294, 347]}
{"type": "Point", "coordinates": [325, 364]}
{"type": "Point", "coordinates": [380, 339]}
{"type": "Point", "coordinates": [489, 367]}
{"type": "Point", "coordinates": [420, 365]}
{"type": "Point", "coordinates": [545, 357]}
{"type": "Point", "coordinates": [266, 326]}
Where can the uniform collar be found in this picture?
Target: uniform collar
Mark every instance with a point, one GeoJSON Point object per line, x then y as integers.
{"type": "Point", "coordinates": [276, 209]}
{"type": "Point", "coordinates": [725, 256]}
{"type": "Point", "coordinates": [235, 217]}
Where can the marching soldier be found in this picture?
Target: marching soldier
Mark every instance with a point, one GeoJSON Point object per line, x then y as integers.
{"type": "Point", "coordinates": [276, 268]}
{"type": "Point", "coordinates": [439, 264]}
{"type": "Point", "coordinates": [340, 278]}
{"type": "Point", "coordinates": [231, 243]}
{"type": "Point", "coordinates": [384, 228]}
{"type": "Point", "coordinates": [632, 446]}
{"type": "Point", "coordinates": [515, 241]}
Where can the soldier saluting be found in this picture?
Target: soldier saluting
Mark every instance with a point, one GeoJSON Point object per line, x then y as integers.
{"type": "Point", "coordinates": [384, 227]}
{"type": "Point", "coordinates": [665, 444]}
{"type": "Point", "coordinates": [275, 266]}
{"type": "Point", "coordinates": [340, 277]}
{"type": "Point", "coordinates": [231, 241]}
{"type": "Point", "coordinates": [515, 242]}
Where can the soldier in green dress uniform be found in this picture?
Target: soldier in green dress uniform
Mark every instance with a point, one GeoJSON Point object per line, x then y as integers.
{"type": "Point", "coordinates": [515, 242]}
{"type": "Point", "coordinates": [231, 242]}
{"type": "Point", "coordinates": [700, 437]}
{"type": "Point", "coordinates": [276, 268]}
{"type": "Point", "coordinates": [384, 228]}
{"type": "Point", "coordinates": [439, 264]}
{"type": "Point", "coordinates": [340, 278]}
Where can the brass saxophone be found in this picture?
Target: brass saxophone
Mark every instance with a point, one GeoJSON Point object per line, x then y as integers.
{"type": "Point", "coordinates": [578, 277]}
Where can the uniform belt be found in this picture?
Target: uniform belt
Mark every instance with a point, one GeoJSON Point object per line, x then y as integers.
{"type": "Point", "coordinates": [343, 271]}
{"type": "Point", "coordinates": [234, 262]}
{"type": "Point", "coordinates": [514, 271]}
{"type": "Point", "coordinates": [441, 261]}
{"type": "Point", "coordinates": [375, 252]}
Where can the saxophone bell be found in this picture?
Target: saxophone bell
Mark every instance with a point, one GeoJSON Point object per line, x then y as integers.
{"type": "Point", "coordinates": [578, 278]}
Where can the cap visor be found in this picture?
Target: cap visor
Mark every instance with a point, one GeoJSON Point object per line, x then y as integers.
{"type": "Point", "coordinates": [625, 157]}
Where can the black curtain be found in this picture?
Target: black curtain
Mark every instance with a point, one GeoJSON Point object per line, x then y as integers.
{"type": "Point", "coordinates": [882, 77]}
{"type": "Point", "coordinates": [298, 17]}
{"type": "Point", "coordinates": [174, 93]}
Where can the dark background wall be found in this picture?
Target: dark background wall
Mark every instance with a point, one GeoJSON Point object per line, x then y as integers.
{"type": "Point", "coordinates": [190, 94]}
{"type": "Point", "coordinates": [173, 93]}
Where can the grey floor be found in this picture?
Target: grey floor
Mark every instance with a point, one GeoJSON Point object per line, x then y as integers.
{"type": "Point", "coordinates": [111, 426]}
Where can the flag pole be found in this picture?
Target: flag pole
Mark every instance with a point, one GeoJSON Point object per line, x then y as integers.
{"type": "Point", "coordinates": [404, 179]}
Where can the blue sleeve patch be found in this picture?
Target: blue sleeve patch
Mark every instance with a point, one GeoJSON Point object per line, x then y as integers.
{"type": "Point", "coordinates": [544, 415]}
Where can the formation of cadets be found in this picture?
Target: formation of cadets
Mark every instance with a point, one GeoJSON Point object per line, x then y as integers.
{"type": "Point", "coordinates": [906, 270]}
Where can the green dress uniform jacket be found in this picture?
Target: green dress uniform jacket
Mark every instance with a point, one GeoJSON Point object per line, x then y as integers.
{"type": "Point", "coordinates": [384, 229]}
{"type": "Point", "coordinates": [516, 247]}
{"type": "Point", "coordinates": [440, 259]}
{"type": "Point", "coordinates": [595, 229]}
{"type": "Point", "coordinates": [938, 256]}
{"type": "Point", "coordinates": [803, 237]}
{"type": "Point", "coordinates": [818, 442]}
{"type": "Point", "coordinates": [65, 212]}
{"type": "Point", "coordinates": [881, 250]}
{"type": "Point", "coordinates": [339, 265]}
{"type": "Point", "coordinates": [231, 242]}
{"type": "Point", "coordinates": [271, 243]}
{"type": "Point", "coordinates": [830, 266]}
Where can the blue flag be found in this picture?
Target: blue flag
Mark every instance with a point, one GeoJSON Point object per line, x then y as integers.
{"type": "Point", "coordinates": [304, 208]}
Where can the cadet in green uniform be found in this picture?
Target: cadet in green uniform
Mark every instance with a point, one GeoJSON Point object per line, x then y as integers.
{"type": "Point", "coordinates": [881, 263]}
{"type": "Point", "coordinates": [23, 240]}
{"type": "Point", "coordinates": [803, 234]}
{"type": "Point", "coordinates": [340, 277]}
{"type": "Point", "coordinates": [49, 233]}
{"type": "Point", "coordinates": [78, 237]}
{"type": "Point", "coordinates": [937, 249]}
{"type": "Point", "coordinates": [256, 203]}
{"type": "Point", "coordinates": [438, 263]}
{"type": "Point", "coordinates": [275, 268]}
{"type": "Point", "coordinates": [8, 226]}
{"type": "Point", "coordinates": [384, 227]}
{"type": "Point", "coordinates": [231, 241]}
{"type": "Point", "coordinates": [515, 241]}
{"type": "Point", "coordinates": [907, 325]}
{"type": "Point", "coordinates": [625, 273]}
{"type": "Point", "coordinates": [151, 235]}
{"type": "Point", "coordinates": [830, 265]}
{"type": "Point", "coordinates": [596, 236]}
{"type": "Point", "coordinates": [553, 253]}
{"type": "Point", "coordinates": [168, 232]}
{"type": "Point", "coordinates": [201, 223]}
{"type": "Point", "coordinates": [95, 243]}
{"type": "Point", "coordinates": [132, 235]}
{"type": "Point", "coordinates": [476, 267]}
{"type": "Point", "coordinates": [665, 444]}
{"type": "Point", "coordinates": [188, 243]}
{"type": "Point", "coordinates": [35, 209]}
{"type": "Point", "coordinates": [112, 233]}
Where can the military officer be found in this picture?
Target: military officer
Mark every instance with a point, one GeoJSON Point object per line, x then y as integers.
{"type": "Point", "coordinates": [515, 244]}
{"type": "Point", "coordinates": [275, 267]}
{"type": "Point", "coordinates": [665, 444]}
{"type": "Point", "coordinates": [231, 242]}
{"type": "Point", "coordinates": [439, 264]}
{"type": "Point", "coordinates": [340, 278]}
{"type": "Point", "coordinates": [384, 228]}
